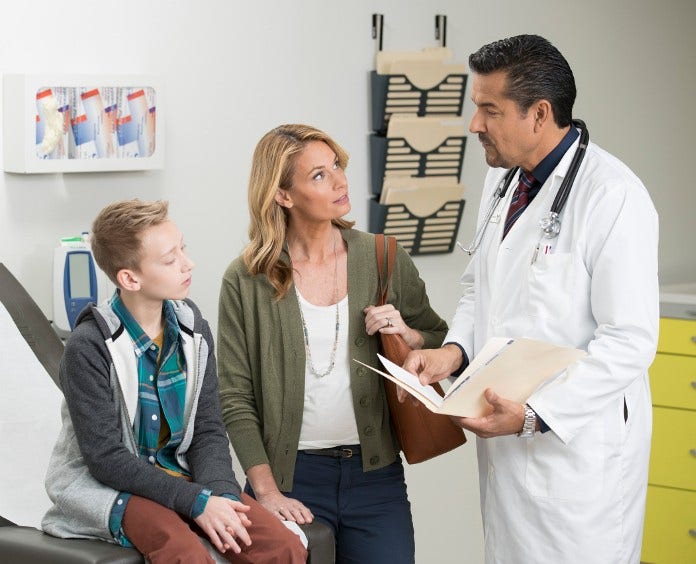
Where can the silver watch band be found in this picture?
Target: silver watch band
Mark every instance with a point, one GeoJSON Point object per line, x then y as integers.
{"type": "Point", "coordinates": [529, 425]}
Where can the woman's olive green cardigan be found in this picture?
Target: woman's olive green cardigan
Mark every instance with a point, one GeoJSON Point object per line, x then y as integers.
{"type": "Point", "coordinates": [261, 359]}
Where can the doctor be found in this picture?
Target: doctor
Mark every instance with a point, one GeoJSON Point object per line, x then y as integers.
{"type": "Point", "coordinates": [563, 478]}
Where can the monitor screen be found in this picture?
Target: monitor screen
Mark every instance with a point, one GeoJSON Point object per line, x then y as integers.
{"type": "Point", "coordinates": [78, 266]}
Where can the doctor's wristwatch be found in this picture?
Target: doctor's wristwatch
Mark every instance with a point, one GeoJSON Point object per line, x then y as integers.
{"type": "Point", "coordinates": [530, 420]}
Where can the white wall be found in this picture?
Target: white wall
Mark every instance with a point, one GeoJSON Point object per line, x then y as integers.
{"type": "Point", "coordinates": [234, 70]}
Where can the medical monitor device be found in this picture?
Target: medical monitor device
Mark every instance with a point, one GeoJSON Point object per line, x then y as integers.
{"type": "Point", "coordinates": [77, 281]}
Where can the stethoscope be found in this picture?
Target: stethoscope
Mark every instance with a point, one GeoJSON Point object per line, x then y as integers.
{"type": "Point", "coordinates": [551, 223]}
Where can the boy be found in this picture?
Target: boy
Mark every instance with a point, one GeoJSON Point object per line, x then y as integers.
{"type": "Point", "coordinates": [143, 457]}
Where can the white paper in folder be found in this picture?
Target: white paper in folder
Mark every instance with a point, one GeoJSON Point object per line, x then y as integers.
{"type": "Point", "coordinates": [512, 368]}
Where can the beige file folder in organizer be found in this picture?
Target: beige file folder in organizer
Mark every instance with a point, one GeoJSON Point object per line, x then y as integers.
{"type": "Point", "coordinates": [385, 59]}
{"type": "Point", "coordinates": [422, 213]}
{"type": "Point", "coordinates": [422, 83]}
{"type": "Point", "coordinates": [512, 368]}
{"type": "Point", "coordinates": [418, 146]}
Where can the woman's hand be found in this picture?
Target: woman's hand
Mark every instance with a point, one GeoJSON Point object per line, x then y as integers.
{"type": "Point", "coordinates": [225, 522]}
{"type": "Point", "coordinates": [286, 508]}
{"type": "Point", "coordinates": [267, 494]}
{"type": "Point", "coordinates": [387, 319]}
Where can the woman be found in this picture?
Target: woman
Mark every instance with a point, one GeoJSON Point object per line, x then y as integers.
{"type": "Point", "coordinates": [310, 427]}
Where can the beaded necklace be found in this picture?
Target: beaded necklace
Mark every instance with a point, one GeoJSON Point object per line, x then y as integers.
{"type": "Point", "coordinates": [308, 352]}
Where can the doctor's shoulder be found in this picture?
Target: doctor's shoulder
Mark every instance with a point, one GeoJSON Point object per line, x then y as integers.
{"type": "Point", "coordinates": [610, 187]}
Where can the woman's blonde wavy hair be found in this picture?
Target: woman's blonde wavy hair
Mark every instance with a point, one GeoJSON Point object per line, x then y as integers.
{"type": "Point", "coordinates": [272, 168]}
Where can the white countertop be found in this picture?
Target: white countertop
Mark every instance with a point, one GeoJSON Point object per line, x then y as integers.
{"type": "Point", "coordinates": [678, 293]}
{"type": "Point", "coordinates": [678, 300]}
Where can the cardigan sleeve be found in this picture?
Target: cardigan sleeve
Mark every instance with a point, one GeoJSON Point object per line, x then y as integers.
{"type": "Point", "coordinates": [240, 411]}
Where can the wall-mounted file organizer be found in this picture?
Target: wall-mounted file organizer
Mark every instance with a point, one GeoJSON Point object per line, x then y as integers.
{"type": "Point", "coordinates": [422, 213]}
{"type": "Point", "coordinates": [433, 234]}
{"type": "Point", "coordinates": [417, 147]}
{"type": "Point", "coordinates": [423, 83]}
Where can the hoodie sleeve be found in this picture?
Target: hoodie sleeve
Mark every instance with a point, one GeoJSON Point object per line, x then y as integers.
{"type": "Point", "coordinates": [209, 455]}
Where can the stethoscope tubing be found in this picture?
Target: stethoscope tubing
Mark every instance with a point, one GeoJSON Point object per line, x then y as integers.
{"type": "Point", "coordinates": [559, 201]}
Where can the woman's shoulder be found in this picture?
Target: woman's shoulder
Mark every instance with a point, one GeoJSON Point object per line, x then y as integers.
{"type": "Point", "coordinates": [357, 235]}
{"type": "Point", "coordinates": [236, 269]}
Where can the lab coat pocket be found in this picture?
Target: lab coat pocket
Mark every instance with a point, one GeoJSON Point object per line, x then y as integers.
{"type": "Point", "coordinates": [550, 285]}
{"type": "Point", "coordinates": [567, 472]}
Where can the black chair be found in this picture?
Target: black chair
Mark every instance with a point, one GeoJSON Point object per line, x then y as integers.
{"type": "Point", "coordinates": [26, 544]}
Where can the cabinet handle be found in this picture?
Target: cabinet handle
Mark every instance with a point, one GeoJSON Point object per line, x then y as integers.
{"type": "Point", "coordinates": [693, 452]}
{"type": "Point", "coordinates": [693, 339]}
{"type": "Point", "coordinates": [692, 532]}
{"type": "Point", "coordinates": [693, 384]}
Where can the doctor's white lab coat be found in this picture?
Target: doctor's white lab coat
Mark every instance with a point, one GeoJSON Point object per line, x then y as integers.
{"type": "Point", "coordinates": [577, 492]}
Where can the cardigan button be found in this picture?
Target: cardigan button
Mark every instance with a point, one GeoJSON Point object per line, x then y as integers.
{"type": "Point", "coordinates": [369, 430]}
{"type": "Point", "coordinates": [364, 401]}
{"type": "Point", "coordinates": [374, 460]}
{"type": "Point", "coordinates": [360, 341]}
{"type": "Point", "coordinates": [361, 371]}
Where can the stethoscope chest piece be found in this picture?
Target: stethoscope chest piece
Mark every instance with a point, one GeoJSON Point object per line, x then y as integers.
{"type": "Point", "coordinates": [550, 225]}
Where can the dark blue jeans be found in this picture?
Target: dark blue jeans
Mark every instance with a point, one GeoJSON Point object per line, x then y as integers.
{"type": "Point", "coordinates": [369, 512]}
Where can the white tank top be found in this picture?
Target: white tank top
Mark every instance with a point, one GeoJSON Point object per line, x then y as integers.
{"type": "Point", "coordinates": [328, 418]}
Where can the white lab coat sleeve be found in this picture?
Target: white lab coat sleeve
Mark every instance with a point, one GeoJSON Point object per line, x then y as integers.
{"type": "Point", "coordinates": [462, 326]}
{"type": "Point", "coordinates": [620, 254]}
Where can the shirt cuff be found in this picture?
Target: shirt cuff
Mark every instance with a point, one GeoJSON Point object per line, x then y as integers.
{"type": "Point", "coordinates": [465, 358]}
{"type": "Point", "coordinates": [200, 503]}
{"type": "Point", "coordinates": [116, 520]}
{"type": "Point", "coordinates": [230, 496]}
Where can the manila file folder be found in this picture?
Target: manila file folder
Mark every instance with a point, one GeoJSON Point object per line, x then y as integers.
{"type": "Point", "coordinates": [512, 368]}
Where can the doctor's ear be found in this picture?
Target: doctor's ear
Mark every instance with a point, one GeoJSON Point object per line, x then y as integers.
{"type": "Point", "coordinates": [542, 113]}
{"type": "Point", "coordinates": [283, 199]}
{"type": "Point", "coordinates": [128, 280]}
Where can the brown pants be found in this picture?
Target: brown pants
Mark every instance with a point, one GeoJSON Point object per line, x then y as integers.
{"type": "Point", "coordinates": [163, 536]}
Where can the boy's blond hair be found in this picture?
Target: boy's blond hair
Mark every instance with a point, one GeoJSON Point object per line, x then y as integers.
{"type": "Point", "coordinates": [116, 233]}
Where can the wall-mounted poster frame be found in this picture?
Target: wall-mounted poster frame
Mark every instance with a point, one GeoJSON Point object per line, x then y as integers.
{"type": "Point", "coordinates": [82, 123]}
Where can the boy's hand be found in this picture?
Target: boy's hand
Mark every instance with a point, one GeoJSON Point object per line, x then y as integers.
{"type": "Point", "coordinates": [225, 523]}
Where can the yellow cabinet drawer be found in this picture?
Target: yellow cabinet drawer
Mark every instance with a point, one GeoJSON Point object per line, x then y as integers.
{"type": "Point", "coordinates": [669, 536]}
{"type": "Point", "coordinates": [673, 381]}
{"type": "Point", "coordinates": [673, 456]}
{"type": "Point", "coordinates": [677, 336]}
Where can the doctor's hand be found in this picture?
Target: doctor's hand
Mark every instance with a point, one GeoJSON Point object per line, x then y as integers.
{"type": "Point", "coordinates": [433, 365]}
{"type": "Point", "coordinates": [387, 319]}
{"type": "Point", "coordinates": [506, 418]}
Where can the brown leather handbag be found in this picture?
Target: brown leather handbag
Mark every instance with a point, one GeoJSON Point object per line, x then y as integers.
{"type": "Point", "coordinates": [422, 434]}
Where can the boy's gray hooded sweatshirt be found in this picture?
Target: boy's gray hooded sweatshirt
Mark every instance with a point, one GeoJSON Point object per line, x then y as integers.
{"type": "Point", "coordinates": [95, 456]}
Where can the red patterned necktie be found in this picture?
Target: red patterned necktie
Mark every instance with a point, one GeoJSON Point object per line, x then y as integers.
{"type": "Point", "coordinates": [520, 200]}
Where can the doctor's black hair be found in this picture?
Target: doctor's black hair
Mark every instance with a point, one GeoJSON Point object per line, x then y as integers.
{"type": "Point", "coordinates": [535, 69]}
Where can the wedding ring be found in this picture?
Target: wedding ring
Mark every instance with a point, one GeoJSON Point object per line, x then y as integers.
{"type": "Point", "coordinates": [389, 322]}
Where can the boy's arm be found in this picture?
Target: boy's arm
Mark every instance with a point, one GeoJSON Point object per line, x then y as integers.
{"type": "Point", "coordinates": [84, 377]}
{"type": "Point", "coordinates": [209, 455]}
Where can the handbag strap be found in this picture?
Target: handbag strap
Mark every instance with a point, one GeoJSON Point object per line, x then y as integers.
{"type": "Point", "coordinates": [390, 253]}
